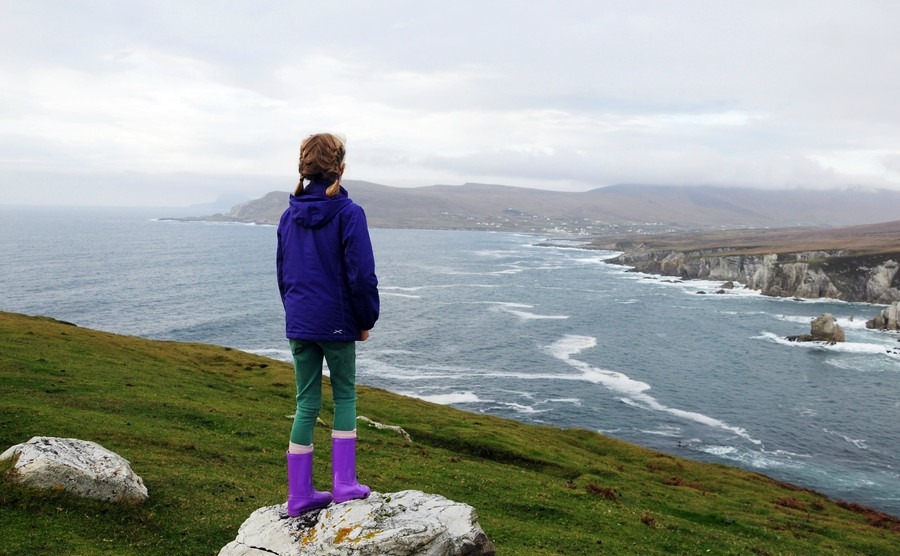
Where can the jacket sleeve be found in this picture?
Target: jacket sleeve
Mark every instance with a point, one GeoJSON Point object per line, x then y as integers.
{"type": "Point", "coordinates": [359, 261]}
{"type": "Point", "coordinates": [279, 264]}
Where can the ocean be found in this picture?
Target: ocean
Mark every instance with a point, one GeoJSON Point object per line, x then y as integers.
{"type": "Point", "coordinates": [496, 323]}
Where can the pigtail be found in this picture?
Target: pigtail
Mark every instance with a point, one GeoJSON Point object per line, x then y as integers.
{"type": "Point", "coordinates": [334, 188]}
{"type": "Point", "coordinates": [339, 153]}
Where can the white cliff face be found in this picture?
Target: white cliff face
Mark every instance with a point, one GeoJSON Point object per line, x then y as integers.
{"type": "Point", "coordinates": [80, 467]}
{"type": "Point", "coordinates": [403, 523]}
{"type": "Point", "coordinates": [794, 279]}
{"type": "Point", "coordinates": [878, 283]}
{"type": "Point", "coordinates": [888, 319]}
{"type": "Point", "coordinates": [805, 274]}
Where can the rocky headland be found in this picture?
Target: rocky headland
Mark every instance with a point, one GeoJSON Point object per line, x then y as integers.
{"type": "Point", "coordinates": [860, 263]}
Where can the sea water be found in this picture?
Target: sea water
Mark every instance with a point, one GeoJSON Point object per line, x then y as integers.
{"type": "Point", "coordinates": [496, 323]}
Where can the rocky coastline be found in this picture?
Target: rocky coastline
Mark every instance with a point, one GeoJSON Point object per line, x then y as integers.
{"type": "Point", "coordinates": [835, 274]}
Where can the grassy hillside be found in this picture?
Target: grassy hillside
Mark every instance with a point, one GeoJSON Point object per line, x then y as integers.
{"type": "Point", "coordinates": [857, 241]}
{"type": "Point", "coordinates": [206, 427]}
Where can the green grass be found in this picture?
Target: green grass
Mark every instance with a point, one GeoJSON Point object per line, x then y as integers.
{"type": "Point", "coordinates": [206, 427]}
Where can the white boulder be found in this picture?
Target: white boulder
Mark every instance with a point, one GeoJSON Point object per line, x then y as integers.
{"type": "Point", "coordinates": [80, 467]}
{"type": "Point", "coordinates": [403, 523]}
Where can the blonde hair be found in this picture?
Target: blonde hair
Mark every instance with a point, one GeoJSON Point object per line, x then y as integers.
{"type": "Point", "coordinates": [322, 158]}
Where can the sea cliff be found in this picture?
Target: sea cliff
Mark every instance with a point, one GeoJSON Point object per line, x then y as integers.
{"type": "Point", "coordinates": [806, 274]}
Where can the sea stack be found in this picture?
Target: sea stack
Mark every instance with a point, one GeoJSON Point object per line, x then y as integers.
{"type": "Point", "coordinates": [822, 329]}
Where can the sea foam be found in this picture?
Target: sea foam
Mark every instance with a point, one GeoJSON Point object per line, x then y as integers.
{"type": "Point", "coordinates": [516, 309]}
{"type": "Point", "coordinates": [839, 347]}
{"type": "Point", "coordinates": [634, 390]}
{"type": "Point", "coordinates": [446, 399]}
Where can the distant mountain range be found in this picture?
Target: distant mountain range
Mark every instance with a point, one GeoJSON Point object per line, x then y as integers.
{"type": "Point", "coordinates": [614, 209]}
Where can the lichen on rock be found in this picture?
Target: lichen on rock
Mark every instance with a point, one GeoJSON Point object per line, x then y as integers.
{"type": "Point", "coordinates": [403, 523]}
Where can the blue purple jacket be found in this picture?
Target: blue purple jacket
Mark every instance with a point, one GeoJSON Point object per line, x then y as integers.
{"type": "Point", "coordinates": [326, 268]}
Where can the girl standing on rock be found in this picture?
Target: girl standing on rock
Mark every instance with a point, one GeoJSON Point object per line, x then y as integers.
{"type": "Point", "coordinates": [326, 276]}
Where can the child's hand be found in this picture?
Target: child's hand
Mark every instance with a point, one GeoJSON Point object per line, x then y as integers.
{"type": "Point", "coordinates": [363, 335]}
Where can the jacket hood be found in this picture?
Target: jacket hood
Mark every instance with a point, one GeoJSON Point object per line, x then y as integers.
{"type": "Point", "coordinates": [314, 209]}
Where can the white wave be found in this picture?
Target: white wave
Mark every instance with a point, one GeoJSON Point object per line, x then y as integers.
{"type": "Point", "coordinates": [367, 364]}
{"type": "Point", "coordinates": [573, 401]}
{"type": "Point", "coordinates": [404, 289]}
{"type": "Point", "coordinates": [635, 390]}
{"type": "Point", "coordinates": [524, 315]}
{"type": "Point", "coordinates": [847, 323]}
{"type": "Point", "coordinates": [858, 442]}
{"type": "Point", "coordinates": [664, 430]}
{"type": "Point", "coordinates": [840, 347]}
{"type": "Point", "coordinates": [446, 399]}
{"type": "Point", "coordinates": [527, 395]}
{"type": "Point", "coordinates": [617, 382]}
{"type": "Point", "coordinates": [528, 376]}
{"type": "Point", "coordinates": [513, 309]}
{"type": "Point", "coordinates": [851, 323]}
{"type": "Point", "coordinates": [375, 367]}
{"type": "Point", "coordinates": [693, 286]}
{"type": "Point", "coordinates": [404, 295]}
{"type": "Point", "coordinates": [520, 408]}
{"type": "Point", "coordinates": [795, 318]}
{"type": "Point", "coordinates": [753, 458]}
{"type": "Point", "coordinates": [456, 370]}
{"type": "Point", "coordinates": [501, 304]}
{"type": "Point", "coordinates": [743, 313]}
{"type": "Point", "coordinates": [433, 287]}
{"type": "Point", "coordinates": [570, 345]}
{"type": "Point", "coordinates": [599, 259]}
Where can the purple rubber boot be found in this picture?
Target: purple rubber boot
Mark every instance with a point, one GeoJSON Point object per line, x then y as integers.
{"type": "Point", "coordinates": [343, 471]}
{"type": "Point", "coordinates": [302, 497]}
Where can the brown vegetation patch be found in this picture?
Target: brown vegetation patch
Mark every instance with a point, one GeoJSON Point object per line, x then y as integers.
{"type": "Point", "coordinates": [873, 517]}
{"type": "Point", "coordinates": [790, 502]}
{"type": "Point", "coordinates": [607, 493]}
{"type": "Point", "coordinates": [678, 481]}
{"type": "Point", "coordinates": [663, 463]}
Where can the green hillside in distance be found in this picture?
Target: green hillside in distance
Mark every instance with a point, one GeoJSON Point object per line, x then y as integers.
{"type": "Point", "coordinates": [206, 428]}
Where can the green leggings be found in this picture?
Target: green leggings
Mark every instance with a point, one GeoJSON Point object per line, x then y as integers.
{"type": "Point", "coordinates": [341, 359]}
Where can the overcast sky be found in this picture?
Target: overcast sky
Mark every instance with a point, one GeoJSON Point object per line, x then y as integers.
{"type": "Point", "coordinates": [178, 102]}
